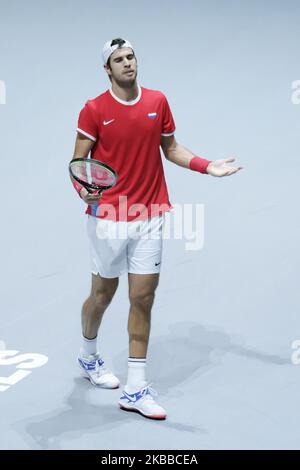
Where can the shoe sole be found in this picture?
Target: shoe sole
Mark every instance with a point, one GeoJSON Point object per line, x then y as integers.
{"type": "Point", "coordinates": [135, 410]}
{"type": "Point", "coordinates": [98, 385]}
{"type": "Point", "coordinates": [87, 377]}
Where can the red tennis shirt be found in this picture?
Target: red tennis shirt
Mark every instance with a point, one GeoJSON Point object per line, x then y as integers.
{"type": "Point", "coordinates": [127, 137]}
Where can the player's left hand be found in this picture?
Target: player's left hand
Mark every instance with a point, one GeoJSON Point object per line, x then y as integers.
{"type": "Point", "coordinates": [221, 167]}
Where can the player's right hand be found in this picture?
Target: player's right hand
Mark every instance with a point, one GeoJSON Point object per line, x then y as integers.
{"type": "Point", "coordinates": [89, 198]}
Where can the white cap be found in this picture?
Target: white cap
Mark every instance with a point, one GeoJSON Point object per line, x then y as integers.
{"type": "Point", "coordinates": [108, 49]}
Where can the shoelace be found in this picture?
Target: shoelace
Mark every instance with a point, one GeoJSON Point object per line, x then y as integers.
{"type": "Point", "coordinates": [98, 363]}
{"type": "Point", "coordinates": [148, 392]}
{"type": "Point", "coordinates": [101, 367]}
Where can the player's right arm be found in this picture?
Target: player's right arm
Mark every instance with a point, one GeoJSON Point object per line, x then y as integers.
{"type": "Point", "coordinates": [83, 146]}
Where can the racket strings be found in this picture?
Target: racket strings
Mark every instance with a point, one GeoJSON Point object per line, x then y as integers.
{"type": "Point", "coordinates": [93, 174]}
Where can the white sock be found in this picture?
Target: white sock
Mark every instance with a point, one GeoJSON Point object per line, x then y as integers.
{"type": "Point", "coordinates": [89, 346]}
{"type": "Point", "coordinates": [136, 374]}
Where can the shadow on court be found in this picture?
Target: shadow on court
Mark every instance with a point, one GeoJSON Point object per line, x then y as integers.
{"type": "Point", "coordinates": [190, 349]}
{"type": "Point", "coordinates": [175, 359]}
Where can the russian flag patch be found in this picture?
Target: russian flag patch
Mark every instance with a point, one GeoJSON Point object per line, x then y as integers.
{"type": "Point", "coordinates": [152, 115]}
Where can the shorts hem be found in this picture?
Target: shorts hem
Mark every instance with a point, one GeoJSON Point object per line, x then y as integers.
{"type": "Point", "coordinates": [106, 276]}
{"type": "Point", "coordinates": [144, 272]}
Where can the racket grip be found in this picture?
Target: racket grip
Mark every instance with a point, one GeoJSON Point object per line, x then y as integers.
{"type": "Point", "coordinates": [199, 164]}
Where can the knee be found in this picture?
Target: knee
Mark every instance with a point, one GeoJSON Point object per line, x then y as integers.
{"type": "Point", "coordinates": [102, 298]}
{"type": "Point", "coordinates": [141, 298]}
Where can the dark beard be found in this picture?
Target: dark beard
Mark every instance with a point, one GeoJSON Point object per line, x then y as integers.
{"type": "Point", "coordinates": [126, 84]}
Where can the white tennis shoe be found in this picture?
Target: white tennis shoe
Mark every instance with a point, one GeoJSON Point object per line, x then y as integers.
{"type": "Point", "coordinates": [93, 368]}
{"type": "Point", "coordinates": [142, 402]}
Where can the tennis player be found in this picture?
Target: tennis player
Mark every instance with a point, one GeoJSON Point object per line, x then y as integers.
{"type": "Point", "coordinates": [125, 127]}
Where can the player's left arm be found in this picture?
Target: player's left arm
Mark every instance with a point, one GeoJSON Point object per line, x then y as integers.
{"type": "Point", "coordinates": [180, 155]}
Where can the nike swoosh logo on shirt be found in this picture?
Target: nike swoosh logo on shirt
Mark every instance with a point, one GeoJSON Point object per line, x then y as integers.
{"type": "Point", "coordinates": [107, 122]}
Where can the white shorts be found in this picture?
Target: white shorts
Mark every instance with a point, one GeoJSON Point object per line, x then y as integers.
{"type": "Point", "coordinates": [119, 247]}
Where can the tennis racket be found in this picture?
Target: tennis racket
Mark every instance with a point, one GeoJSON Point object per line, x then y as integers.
{"type": "Point", "coordinates": [92, 174]}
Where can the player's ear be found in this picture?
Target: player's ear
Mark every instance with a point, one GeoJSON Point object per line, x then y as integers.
{"type": "Point", "coordinates": [107, 68]}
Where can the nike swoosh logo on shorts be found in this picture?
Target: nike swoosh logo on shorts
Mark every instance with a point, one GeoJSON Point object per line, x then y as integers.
{"type": "Point", "coordinates": [107, 122]}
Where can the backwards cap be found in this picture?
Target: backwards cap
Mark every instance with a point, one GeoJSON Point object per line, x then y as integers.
{"type": "Point", "coordinates": [112, 45]}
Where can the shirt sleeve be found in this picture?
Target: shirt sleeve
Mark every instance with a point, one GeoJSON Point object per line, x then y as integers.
{"type": "Point", "coordinates": [87, 123]}
{"type": "Point", "coordinates": [168, 124]}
